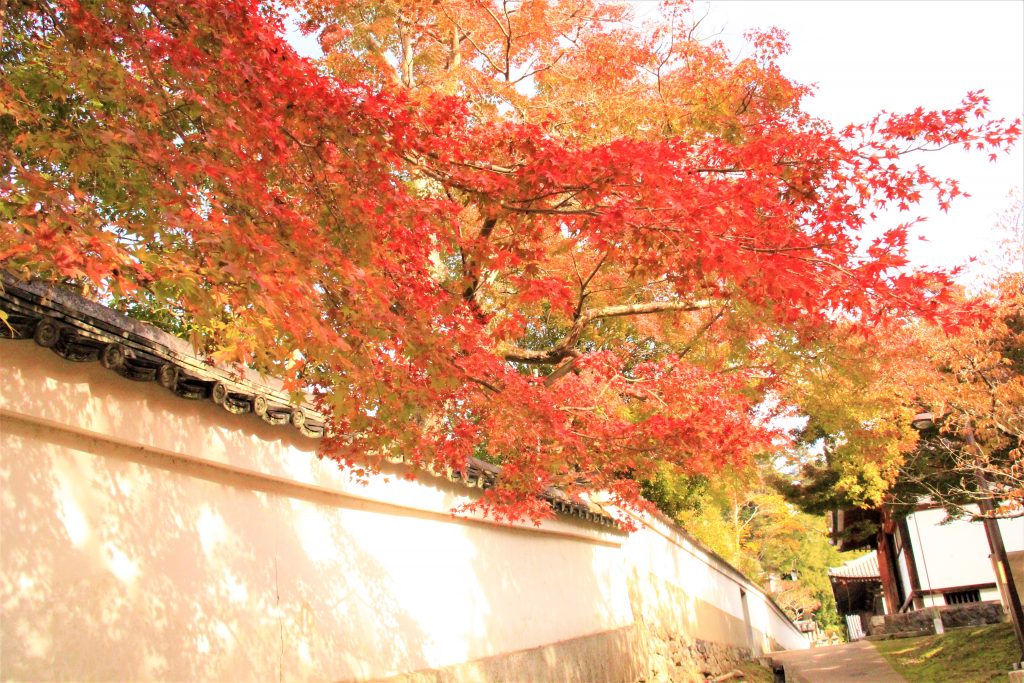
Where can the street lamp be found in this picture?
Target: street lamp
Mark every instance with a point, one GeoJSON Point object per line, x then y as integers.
{"type": "Point", "coordinates": [925, 421]}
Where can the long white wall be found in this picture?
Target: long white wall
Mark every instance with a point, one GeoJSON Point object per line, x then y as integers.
{"type": "Point", "coordinates": [684, 587]}
{"type": "Point", "coordinates": [146, 537]}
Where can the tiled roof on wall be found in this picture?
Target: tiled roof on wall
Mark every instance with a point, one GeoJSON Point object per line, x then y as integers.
{"type": "Point", "coordinates": [81, 330]}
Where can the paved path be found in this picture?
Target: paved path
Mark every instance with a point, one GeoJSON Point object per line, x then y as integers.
{"type": "Point", "coordinates": [857, 662]}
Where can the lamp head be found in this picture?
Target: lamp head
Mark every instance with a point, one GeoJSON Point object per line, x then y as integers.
{"type": "Point", "coordinates": [923, 421]}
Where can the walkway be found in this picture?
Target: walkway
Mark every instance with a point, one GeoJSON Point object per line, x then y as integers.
{"type": "Point", "coordinates": [854, 662]}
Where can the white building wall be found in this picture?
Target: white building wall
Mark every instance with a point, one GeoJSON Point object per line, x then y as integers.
{"type": "Point", "coordinates": [957, 554]}
{"type": "Point", "coordinates": [145, 537]}
{"type": "Point", "coordinates": [903, 558]}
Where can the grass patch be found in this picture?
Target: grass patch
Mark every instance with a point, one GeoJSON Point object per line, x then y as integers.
{"type": "Point", "coordinates": [755, 673]}
{"type": "Point", "coordinates": [967, 655]}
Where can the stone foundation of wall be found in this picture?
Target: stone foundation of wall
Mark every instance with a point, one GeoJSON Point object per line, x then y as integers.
{"type": "Point", "coordinates": [609, 657]}
{"type": "Point", "coordinates": [635, 653]}
{"type": "Point", "coordinates": [672, 657]}
{"type": "Point", "coordinates": [953, 616]}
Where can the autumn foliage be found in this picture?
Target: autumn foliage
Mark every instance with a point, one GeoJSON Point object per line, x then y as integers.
{"type": "Point", "coordinates": [533, 232]}
{"type": "Point", "coordinates": [977, 401]}
{"type": "Point", "coordinates": [860, 447]}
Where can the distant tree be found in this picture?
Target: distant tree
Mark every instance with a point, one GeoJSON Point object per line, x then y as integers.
{"type": "Point", "coordinates": [786, 551]}
{"type": "Point", "coordinates": [974, 446]}
{"type": "Point", "coordinates": [860, 447]}
{"type": "Point", "coordinates": [858, 395]}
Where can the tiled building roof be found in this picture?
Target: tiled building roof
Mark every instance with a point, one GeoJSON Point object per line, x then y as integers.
{"type": "Point", "coordinates": [861, 569]}
{"type": "Point", "coordinates": [82, 331]}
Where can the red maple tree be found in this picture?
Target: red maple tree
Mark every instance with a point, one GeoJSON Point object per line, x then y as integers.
{"type": "Point", "coordinates": [532, 232]}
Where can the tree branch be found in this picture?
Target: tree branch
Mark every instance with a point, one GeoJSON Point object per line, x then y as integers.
{"type": "Point", "coordinates": [471, 267]}
{"type": "Point", "coordinates": [702, 331]}
{"type": "Point", "coordinates": [566, 348]}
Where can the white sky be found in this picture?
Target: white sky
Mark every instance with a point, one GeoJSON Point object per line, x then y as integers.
{"type": "Point", "coordinates": [865, 56]}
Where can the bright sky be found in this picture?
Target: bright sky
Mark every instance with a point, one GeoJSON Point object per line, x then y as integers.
{"type": "Point", "coordinates": [866, 56]}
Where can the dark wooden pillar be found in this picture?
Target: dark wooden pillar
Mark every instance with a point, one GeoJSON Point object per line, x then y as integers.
{"type": "Point", "coordinates": [887, 572]}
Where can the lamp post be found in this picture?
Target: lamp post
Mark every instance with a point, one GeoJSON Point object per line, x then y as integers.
{"type": "Point", "coordinates": [925, 421]}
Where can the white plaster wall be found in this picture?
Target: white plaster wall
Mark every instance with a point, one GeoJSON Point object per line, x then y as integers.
{"type": "Point", "coordinates": [903, 558]}
{"type": "Point", "coordinates": [957, 553]}
{"type": "Point", "coordinates": [145, 537]}
{"type": "Point", "coordinates": [1013, 534]}
{"type": "Point", "coordinates": [989, 594]}
{"type": "Point", "coordinates": [707, 599]}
